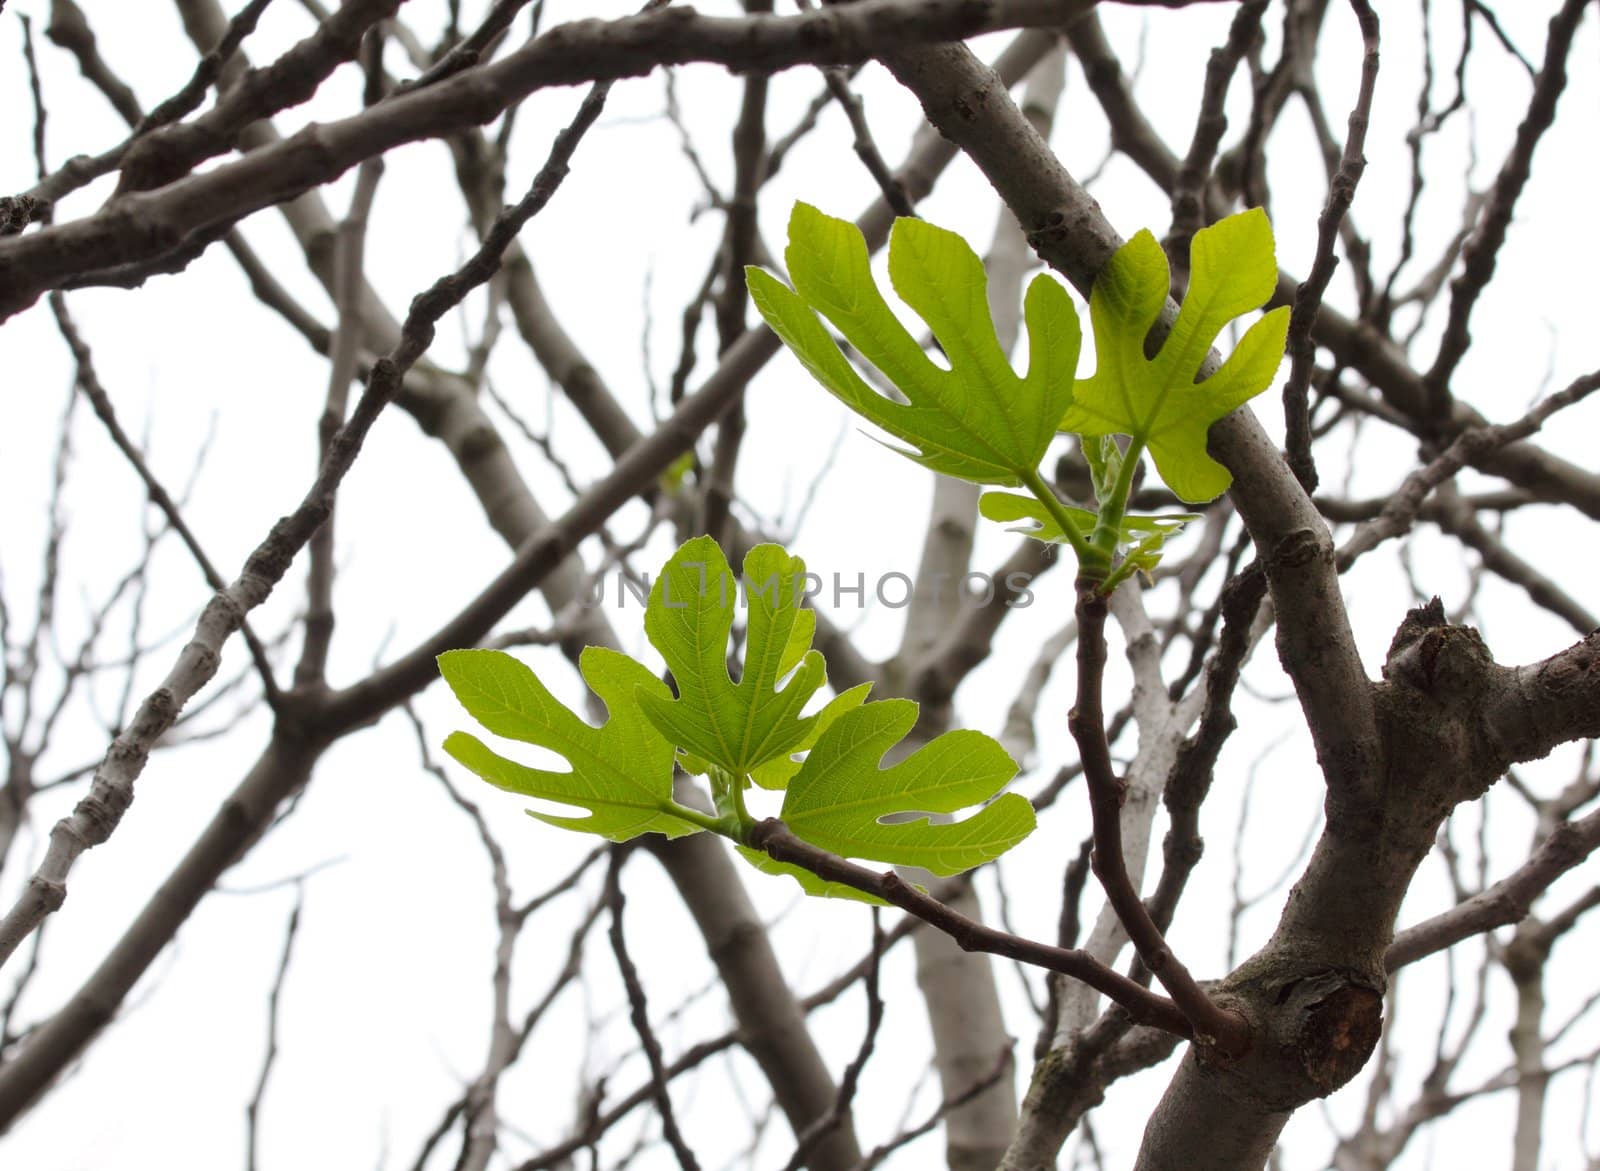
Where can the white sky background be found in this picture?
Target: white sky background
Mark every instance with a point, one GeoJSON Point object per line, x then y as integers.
{"type": "Point", "coordinates": [386, 1007]}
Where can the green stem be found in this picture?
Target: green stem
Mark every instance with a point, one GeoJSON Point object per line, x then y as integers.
{"type": "Point", "coordinates": [736, 789]}
{"type": "Point", "coordinates": [1091, 562]}
{"type": "Point", "coordinates": [727, 791]}
{"type": "Point", "coordinates": [1112, 510]}
{"type": "Point", "coordinates": [717, 825]}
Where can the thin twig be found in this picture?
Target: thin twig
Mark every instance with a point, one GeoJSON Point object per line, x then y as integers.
{"type": "Point", "coordinates": [829, 1122]}
{"type": "Point", "coordinates": [96, 816]}
{"type": "Point", "coordinates": [1308, 297]}
{"type": "Point", "coordinates": [1483, 249]}
{"type": "Point", "coordinates": [640, 1014]}
{"type": "Point", "coordinates": [252, 1111]}
{"type": "Point", "coordinates": [1211, 1024]}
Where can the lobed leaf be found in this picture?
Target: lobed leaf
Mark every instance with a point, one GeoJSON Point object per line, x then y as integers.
{"type": "Point", "coordinates": [778, 772]}
{"type": "Point", "coordinates": [1140, 537]}
{"type": "Point", "coordinates": [737, 726]}
{"type": "Point", "coordinates": [621, 772]}
{"type": "Point", "coordinates": [1156, 401]}
{"type": "Point", "coordinates": [812, 884]}
{"type": "Point", "coordinates": [841, 794]}
{"type": "Point", "coordinates": [976, 420]}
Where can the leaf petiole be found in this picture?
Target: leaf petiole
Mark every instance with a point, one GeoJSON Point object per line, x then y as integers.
{"type": "Point", "coordinates": [717, 825]}
{"type": "Point", "coordinates": [1093, 563]}
{"type": "Point", "coordinates": [728, 792]}
{"type": "Point", "coordinates": [1112, 510]}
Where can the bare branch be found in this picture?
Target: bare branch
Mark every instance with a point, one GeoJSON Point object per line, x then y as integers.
{"type": "Point", "coordinates": [274, 999]}
{"type": "Point", "coordinates": [98, 814]}
{"type": "Point", "coordinates": [641, 1018]}
{"type": "Point", "coordinates": [1507, 901]}
{"type": "Point", "coordinates": [1308, 297]}
{"type": "Point", "coordinates": [1483, 249]}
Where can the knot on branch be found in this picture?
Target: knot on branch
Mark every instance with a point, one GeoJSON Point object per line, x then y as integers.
{"type": "Point", "coordinates": [1315, 1028]}
{"type": "Point", "coordinates": [153, 161]}
{"type": "Point", "coordinates": [18, 211]}
{"type": "Point", "coordinates": [1338, 1035]}
{"type": "Point", "coordinates": [98, 814]}
{"type": "Point", "coordinates": [1052, 231]}
{"type": "Point", "coordinates": [1439, 679]}
{"type": "Point", "coordinates": [1298, 549]}
{"type": "Point", "coordinates": [1430, 655]}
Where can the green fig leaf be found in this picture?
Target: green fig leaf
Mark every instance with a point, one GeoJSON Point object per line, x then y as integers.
{"type": "Point", "coordinates": [841, 794]}
{"type": "Point", "coordinates": [977, 420]}
{"type": "Point", "coordinates": [620, 772]}
{"type": "Point", "coordinates": [776, 774]}
{"type": "Point", "coordinates": [812, 884]}
{"type": "Point", "coordinates": [737, 726]}
{"type": "Point", "coordinates": [1156, 401]}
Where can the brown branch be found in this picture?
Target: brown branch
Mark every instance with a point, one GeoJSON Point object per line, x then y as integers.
{"type": "Point", "coordinates": [640, 1013]}
{"type": "Point", "coordinates": [156, 159]}
{"type": "Point", "coordinates": [1506, 902]}
{"type": "Point", "coordinates": [145, 225]}
{"type": "Point", "coordinates": [1144, 1006]}
{"type": "Point", "coordinates": [1482, 250]}
{"type": "Point", "coordinates": [1211, 1025]}
{"type": "Point", "coordinates": [1308, 297]}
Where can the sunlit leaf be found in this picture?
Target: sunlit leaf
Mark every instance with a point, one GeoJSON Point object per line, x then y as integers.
{"type": "Point", "coordinates": [841, 794]}
{"type": "Point", "coordinates": [1140, 536]}
{"type": "Point", "coordinates": [620, 772]}
{"type": "Point", "coordinates": [977, 420]}
{"type": "Point", "coordinates": [776, 774]}
{"type": "Point", "coordinates": [741, 725]}
{"type": "Point", "coordinates": [1156, 400]}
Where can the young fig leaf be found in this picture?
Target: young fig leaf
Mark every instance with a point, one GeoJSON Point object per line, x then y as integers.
{"type": "Point", "coordinates": [735, 726]}
{"type": "Point", "coordinates": [1156, 401]}
{"type": "Point", "coordinates": [841, 794]}
{"type": "Point", "coordinates": [1139, 536]}
{"type": "Point", "coordinates": [621, 772]}
{"type": "Point", "coordinates": [1104, 458]}
{"type": "Point", "coordinates": [976, 420]}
